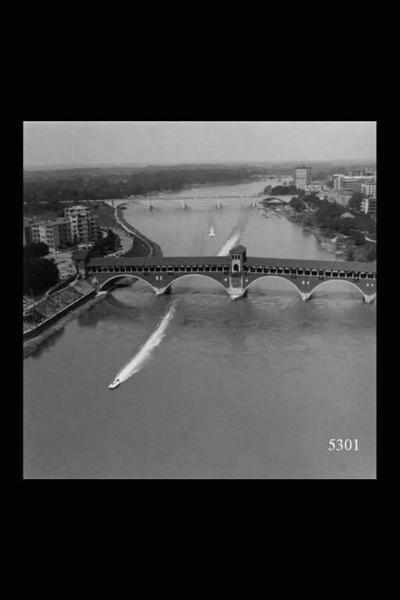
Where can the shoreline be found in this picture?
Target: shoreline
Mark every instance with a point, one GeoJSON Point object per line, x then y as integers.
{"type": "Point", "coordinates": [34, 344]}
{"type": "Point", "coordinates": [145, 247]}
{"type": "Point", "coordinates": [323, 240]}
{"type": "Point", "coordinates": [154, 248]}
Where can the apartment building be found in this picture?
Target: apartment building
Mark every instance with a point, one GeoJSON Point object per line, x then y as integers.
{"type": "Point", "coordinates": [368, 206]}
{"type": "Point", "coordinates": [302, 177]}
{"type": "Point", "coordinates": [369, 190]}
{"type": "Point", "coordinates": [352, 182]}
{"type": "Point", "coordinates": [84, 225]}
{"type": "Point", "coordinates": [56, 233]}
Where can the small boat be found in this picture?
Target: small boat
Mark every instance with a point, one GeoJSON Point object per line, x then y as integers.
{"type": "Point", "coordinates": [114, 384]}
{"type": "Point", "coordinates": [211, 233]}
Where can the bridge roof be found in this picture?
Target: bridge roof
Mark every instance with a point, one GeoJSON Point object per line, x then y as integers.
{"type": "Point", "coordinates": [104, 261]}
{"type": "Point", "coordinates": [113, 261]}
{"type": "Point", "coordinates": [334, 265]}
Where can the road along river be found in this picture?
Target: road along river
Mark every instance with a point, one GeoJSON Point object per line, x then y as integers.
{"type": "Point", "coordinates": [234, 389]}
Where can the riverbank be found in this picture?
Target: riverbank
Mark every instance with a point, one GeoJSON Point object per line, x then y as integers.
{"type": "Point", "coordinates": [45, 338]}
{"type": "Point", "coordinates": [343, 246]}
{"type": "Point", "coordinates": [141, 245]}
{"type": "Point", "coordinates": [325, 241]}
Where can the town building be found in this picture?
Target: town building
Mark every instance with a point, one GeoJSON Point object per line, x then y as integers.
{"type": "Point", "coordinates": [363, 172]}
{"type": "Point", "coordinates": [302, 177]}
{"type": "Point", "coordinates": [85, 245]}
{"type": "Point", "coordinates": [314, 187]}
{"type": "Point", "coordinates": [55, 233]}
{"type": "Point", "coordinates": [84, 224]}
{"type": "Point", "coordinates": [341, 197]}
{"type": "Point", "coordinates": [369, 190]}
{"type": "Point", "coordinates": [368, 206]}
{"type": "Point", "coordinates": [351, 182]}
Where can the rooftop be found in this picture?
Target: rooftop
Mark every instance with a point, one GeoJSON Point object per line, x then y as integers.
{"type": "Point", "coordinates": [225, 260]}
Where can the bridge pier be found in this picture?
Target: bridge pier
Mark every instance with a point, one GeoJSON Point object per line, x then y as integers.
{"type": "Point", "coordinates": [162, 291]}
{"type": "Point", "coordinates": [305, 296]}
{"type": "Point", "coordinates": [236, 292]}
{"type": "Point", "coordinates": [369, 298]}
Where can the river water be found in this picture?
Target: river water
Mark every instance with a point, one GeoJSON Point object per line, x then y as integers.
{"type": "Point", "coordinates": [253, 388]}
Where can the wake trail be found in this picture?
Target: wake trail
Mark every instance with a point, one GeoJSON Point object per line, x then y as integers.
{"type": "Point", "coordinates": [145, 353]}
{"type": "Point", "coordinates": [236, 233]}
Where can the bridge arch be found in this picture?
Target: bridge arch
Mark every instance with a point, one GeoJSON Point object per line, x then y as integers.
{"type": "Point", "coordinates": [195, 275]}
{"type": "Point", "coordinates": [124, 276]}
{"type": "Point", "coordinates": [341, 281]}
{"type": "Point", "coordinates": [273, 277]}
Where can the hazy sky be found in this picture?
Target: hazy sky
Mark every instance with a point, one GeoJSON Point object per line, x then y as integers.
{"type": "Point", "coordinates": [74, 143]}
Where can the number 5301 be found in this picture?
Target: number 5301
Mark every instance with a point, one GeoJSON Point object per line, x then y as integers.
{"type": "Point", "coordinates": [339, 445]}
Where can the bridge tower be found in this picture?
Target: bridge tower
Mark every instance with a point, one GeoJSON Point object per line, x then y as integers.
{"type": "Point", "coordinates": [238, 258]}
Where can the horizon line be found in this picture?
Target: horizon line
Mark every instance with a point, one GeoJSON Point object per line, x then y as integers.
{"type": "Point", "coordinates": [180, 163]}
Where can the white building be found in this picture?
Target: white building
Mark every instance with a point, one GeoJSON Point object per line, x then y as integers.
{"type": "Point", "coordinates": [84, 225]}
{"type": "Point", "coordinates": [350, 182]}
{"type": "Point", "coordinates": [302, 177]}
{"type": "Point", "coordinates": [368, 206]}
{"type": "Point", "coordinates": [369, 190]}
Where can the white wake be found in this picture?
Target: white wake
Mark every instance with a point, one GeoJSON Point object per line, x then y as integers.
{"type": "Point", "coordinates": [144, 354]}
{"type": "Point", "coordinates": [229, 245]}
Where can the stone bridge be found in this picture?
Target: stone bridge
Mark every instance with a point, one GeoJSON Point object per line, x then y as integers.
{"type": "Point", "coordinates": [236, 273]}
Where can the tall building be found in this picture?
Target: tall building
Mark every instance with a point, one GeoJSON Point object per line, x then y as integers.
{"type": "Point", "coordinates": [84, 225]}
{"type": "Point", "coordinates": [302, 177]}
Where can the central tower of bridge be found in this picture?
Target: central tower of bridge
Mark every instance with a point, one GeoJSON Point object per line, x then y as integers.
{"type": "Point", "coordinates": [236, 287]}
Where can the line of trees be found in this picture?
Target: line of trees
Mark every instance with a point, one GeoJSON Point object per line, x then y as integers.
{"type": "Point", "coordinates": [51, 191]}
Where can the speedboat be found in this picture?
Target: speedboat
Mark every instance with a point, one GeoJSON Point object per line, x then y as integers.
{"type": "Point", "coordinates": [114, 384]}
{"type": "Point", "coordinates": [211, 233]}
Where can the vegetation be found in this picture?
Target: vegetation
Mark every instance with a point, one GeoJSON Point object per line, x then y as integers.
{"type": "Point", "coordinates": [355, 201]}
{"type": "Point", "coordinates": [40, 274]}
{"type": "Point", "coordinates": [105, 245]}
{"type": "Point", "coordinates": [282, 190]}
{"type": "Point", "coordinates": [37, 250]}
{"type": "Point", "coordinates": [327, 217]}
{"type": "Point", "coordinates": [297, 204]}
{"type": "Point", "coordinates": [49, 190]}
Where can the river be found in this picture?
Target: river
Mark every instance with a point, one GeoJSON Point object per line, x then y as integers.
{"type": "Point", "coordinates": [253, 388]}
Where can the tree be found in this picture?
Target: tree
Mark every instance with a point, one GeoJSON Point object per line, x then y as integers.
{"type": "Point", "coordinates": [297, 204]}
{"type": "Point", "coordinates": [358, 238]}
{"type": "Point", "coordinates": [370, 254]}
{"type": "Point", "coordinates": [36, 249]}
{"type": "Point", "coordinates": [39, 274]}
{"type": "Point", "coordinates": [355, 201]}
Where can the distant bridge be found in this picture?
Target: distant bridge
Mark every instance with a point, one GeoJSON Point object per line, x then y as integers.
{"type": "Point", "coordinates": [236, 273]}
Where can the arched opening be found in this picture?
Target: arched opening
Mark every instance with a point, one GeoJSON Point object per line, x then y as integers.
{"type": "Point", "coordinates": [338, 285]}
{"type": "Point", "coordinates": [198, 283]}
{"type": "Point", "coordinates": [276, 288]}
{"type": "Point", "coordinates": [108, 284]}
{"type": "Point", "coordinates": [236, 268]}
